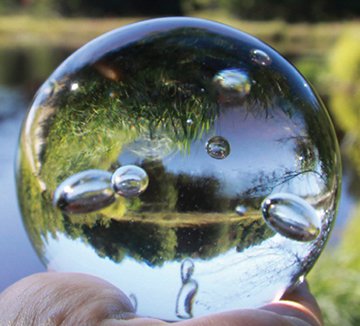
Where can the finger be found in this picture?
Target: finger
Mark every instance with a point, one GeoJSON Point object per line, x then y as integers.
{"type": "Point", "coordinates": [246, 317]}
{"type": "Point", "coordinates": [231, 318]}
{"type": "Point", "coordinates": [297, 308]}
{"type": "Point", "coordinates": [61, 298]}
{"type": "Point", "coordinates": [302, 295]}
{"type": "Point", "coordinates": [298, 303]}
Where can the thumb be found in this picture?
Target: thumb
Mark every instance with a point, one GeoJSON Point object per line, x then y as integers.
{"type": "Point", "coordinates": [62, 298]}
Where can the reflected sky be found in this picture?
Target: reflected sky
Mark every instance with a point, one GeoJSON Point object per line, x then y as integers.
{"type": "Point", "coordinates": [256, 147]}
{"type": "Point", "coordinates": [274, 262]}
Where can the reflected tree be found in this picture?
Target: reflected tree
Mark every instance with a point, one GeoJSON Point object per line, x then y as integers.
{"type": "Point", "coordinates": [200, 194]}
{"type": "Point", "coordinates": [162, 193]}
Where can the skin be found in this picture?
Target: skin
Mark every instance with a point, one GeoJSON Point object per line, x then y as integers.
{"type": "Point", "coordinates": [78, 299]}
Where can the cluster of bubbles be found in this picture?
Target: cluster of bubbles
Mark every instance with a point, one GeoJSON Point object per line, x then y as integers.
{"type": "Point", "coordinates": [186, 129]}
{"type": "Point", "coordinates": [92, 190]}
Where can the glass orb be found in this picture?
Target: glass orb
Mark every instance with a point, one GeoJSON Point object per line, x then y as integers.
{"type": "Point", "coordinates": [185, 162]}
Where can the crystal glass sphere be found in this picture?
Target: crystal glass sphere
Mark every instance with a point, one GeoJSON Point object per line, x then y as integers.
{"type": "Point", "coordinates": [185, 162]}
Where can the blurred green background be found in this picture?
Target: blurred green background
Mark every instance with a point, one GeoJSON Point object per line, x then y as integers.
{"type": "Point", "coordinates": [320, 37]}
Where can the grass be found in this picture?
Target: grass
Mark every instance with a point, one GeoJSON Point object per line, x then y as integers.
{"type": "Point", "coordinates": [175, 219]}
{"type": "Point", "coordinates": [299, 38]}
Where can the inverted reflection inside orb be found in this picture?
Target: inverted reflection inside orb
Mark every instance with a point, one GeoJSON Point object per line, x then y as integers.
{"type": "Point", "coordinates": [182, 158]}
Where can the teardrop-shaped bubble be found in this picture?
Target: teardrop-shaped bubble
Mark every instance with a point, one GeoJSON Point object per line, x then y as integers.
{"type": "Point", "coordinates": [130, 181]}
{"type": "Point", "coordinates": [133, 301]}
{"type": "Point", "coordinates": [233, 80]}
{"type": "Point", "coordinates": [187, 270]}
{"type": "Point", "coordinates": [185, 299]}
{"type": "Point", "coordinates": [260, 57]}
{"type": "Point", "coordinates": [85, 192]}
{"type": "Point", "coordinates": [291, 216]}
{"type": "Point", "coordinates": [218, 147]}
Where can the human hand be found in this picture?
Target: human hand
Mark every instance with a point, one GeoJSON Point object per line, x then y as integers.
{"type": "Point", "coordinates": [71, 299]}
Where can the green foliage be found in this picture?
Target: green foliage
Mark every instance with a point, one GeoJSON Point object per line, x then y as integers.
{"type": "Point", "coordinates": [200, 194]}
{"type": "Point", "coordinates": [43, 8]}
{"type": "Point", "coordinates": [345, 58]}
{"type": "Point", "coordinates": [155, 238]}
{"type": "Point", "coordinates": [161, 194]}
{"type": "Point", "coordinates": [335, 279]}
{"type": "Point", "coordinates": [250, 238]}
{"type": "Point", "coordinates": [290, 10]}
{"type": "Point", "coordinates": [344, 81]}
{"type": "Point", "coordinates": [94, 7]}
{"type": "Point", "coordinates": [312, 68]}
{"type": "Point", "coordinates": [7, 6]}
{"type": "Point", "coordinates": [40, 220]}
{"type": "Point", "coordinates": [147, 242]}
{"type": "Point", "coordinates": [189, 6]}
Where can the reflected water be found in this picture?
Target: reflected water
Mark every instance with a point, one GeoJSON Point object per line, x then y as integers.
{"type": "Point", "coordinates": [21, 72]}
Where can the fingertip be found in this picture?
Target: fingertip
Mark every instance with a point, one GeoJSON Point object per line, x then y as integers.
{"type": "Point", "coordinates": [298, 303]}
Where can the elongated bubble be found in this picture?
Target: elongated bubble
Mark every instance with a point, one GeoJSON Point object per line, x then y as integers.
{"type": "Point", "coordinates": [185, 299]}
{"type": "Point", "coordinates": [84, 192]}
{"type": "Point", "coordinates": [260, 57]}
{"type": "Point", "coordinates": [291, 216]}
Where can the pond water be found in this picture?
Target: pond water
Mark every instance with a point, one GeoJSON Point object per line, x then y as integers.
{"type": "Point", "coordinates": [21, 73]}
